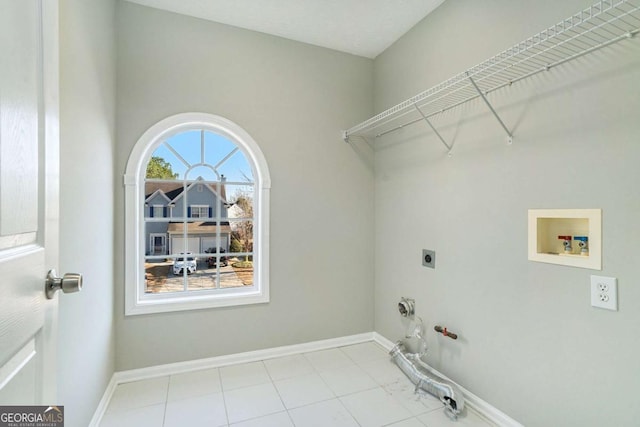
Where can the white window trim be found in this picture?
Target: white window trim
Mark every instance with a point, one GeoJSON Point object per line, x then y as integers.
{"type": "Point", "coordinates": [200, 207]}
{"type": "Point", "coordinates": [154, 235]}
{"type": "Point", "coordinates": [136, 302]}
{"type": "Point", "coordinates": [161, 207]}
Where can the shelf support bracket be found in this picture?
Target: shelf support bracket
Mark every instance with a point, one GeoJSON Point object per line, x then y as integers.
{"type": "Point", "coordinates": [345, 137]}
{"type": "Point", "coordinates": [486, 101]}
{"type": "Point", "coordinates": [433, 128]}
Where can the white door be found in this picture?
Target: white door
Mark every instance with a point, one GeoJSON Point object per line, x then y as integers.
{"type": "Point", "coordinates": [215, 242]}
{"type": "Point", "coordinates": [28, 199]}
{"type": "Point", "coordinates": [158, 243]}
{"type": "Point", "coordinates": [179, 245]}
{"type": "Point", "coordinates": [209, 242]}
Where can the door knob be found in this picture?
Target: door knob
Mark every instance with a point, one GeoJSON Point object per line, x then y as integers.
{"type": "Point", "coordinates": [70, 282]}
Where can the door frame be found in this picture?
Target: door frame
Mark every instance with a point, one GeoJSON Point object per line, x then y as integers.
{"type": "Point", "coordinates": [152, 245]}
{"type": "Point", "coordinates": [51, 185]}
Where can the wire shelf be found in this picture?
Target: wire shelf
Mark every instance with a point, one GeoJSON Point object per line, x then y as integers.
{"type": "Point", "coordinates": [600, 25]}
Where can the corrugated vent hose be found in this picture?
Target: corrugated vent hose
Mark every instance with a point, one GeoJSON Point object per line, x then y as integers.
{"type": "Point", "coordinates": [422, 376]}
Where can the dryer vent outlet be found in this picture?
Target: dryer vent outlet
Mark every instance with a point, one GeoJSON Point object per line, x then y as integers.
{"type": "Point", "coordinates": [406, 307]}
{"type": "Point", "coordinates": [429, 258]}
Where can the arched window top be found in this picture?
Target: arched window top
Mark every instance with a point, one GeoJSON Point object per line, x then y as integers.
{"type": "Point", "coordinates": [186, 122]}
{"type": "Point", "coordinates": [197, 198]}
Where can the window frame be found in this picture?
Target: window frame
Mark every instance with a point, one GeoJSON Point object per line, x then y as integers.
{"type": "Point", "coordinates": [162, 210]}
{"type": "Point", "coordinates": [199, 208]}
{"type": "Point", "coordinates": [136, 301]}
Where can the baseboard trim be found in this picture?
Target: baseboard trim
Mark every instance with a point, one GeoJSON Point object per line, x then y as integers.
{"type": "Point", "coordinates": [232, 359]}
{"type": "Point", "coordinates": [384, 342]}
{"type": "Point", "coordinates": [122, 377]}
{"type": "Point", "coordinates": [479, 406]}
{"type": "Point", "coordinates": [104, 402]}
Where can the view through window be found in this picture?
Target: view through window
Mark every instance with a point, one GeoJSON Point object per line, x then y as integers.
{"type": "Point", "coordinates": [199, 194]}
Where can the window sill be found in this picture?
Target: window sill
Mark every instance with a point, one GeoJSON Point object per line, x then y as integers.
{"type": "Point", "coordinates": [137, 302]}
{"type": "Point", "coordinates": [170, 302]}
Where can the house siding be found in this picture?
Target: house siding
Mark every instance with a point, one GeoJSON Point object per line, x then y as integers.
{"type": "Point", "coordinates": [157, 199]}
{"type": "Point", "coordinates": [205, 197]}
{"type": "Point", "coordinates": [195, 197]}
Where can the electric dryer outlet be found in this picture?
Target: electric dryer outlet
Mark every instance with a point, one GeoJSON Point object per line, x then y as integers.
{"type": "Point", "coordinates": [604, 292]}
{"type": "Point", "coordinates": [429, 258]}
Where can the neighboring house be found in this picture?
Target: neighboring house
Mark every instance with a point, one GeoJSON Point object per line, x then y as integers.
{"type": "Point", "coordinates": [199, 208]}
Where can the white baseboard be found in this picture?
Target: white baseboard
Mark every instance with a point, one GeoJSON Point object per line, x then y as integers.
{"type": "Point", "coordinates": [216, 362]}
{"type": "Point", "coordinates": [387, 344]}
{"type": "Point", "coordinates": [232, 359]}
{"type": "Point", "coordinates": [478, 405]}
{"type": "Point", "coordinates": [104, 402]}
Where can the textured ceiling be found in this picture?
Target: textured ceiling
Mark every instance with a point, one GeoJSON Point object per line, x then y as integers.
{"type": "Point", "coordinates": [361, 27]}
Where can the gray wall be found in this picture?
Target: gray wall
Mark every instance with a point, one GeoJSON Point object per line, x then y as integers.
{"type": "Point", "coordinates": [86, 344]}
{"type": "Point", "coordinates": [293, 99]}
{"type": "Point", "coordinates": [530, 343]}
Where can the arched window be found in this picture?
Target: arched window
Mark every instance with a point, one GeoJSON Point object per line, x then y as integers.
{"type": "Point", "coordinates": [197, 217]}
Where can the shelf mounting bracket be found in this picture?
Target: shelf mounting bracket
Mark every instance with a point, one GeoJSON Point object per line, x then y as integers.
{"type": "Point", "coordinates": [486, 101]}
{"type": "Point", "coordinates": [345, 136]}
{"type": "Point", "coordinates": [433, 128]}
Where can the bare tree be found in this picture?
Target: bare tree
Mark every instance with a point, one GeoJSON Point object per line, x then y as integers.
{"type": "Point", "coordinates": [243, 230]}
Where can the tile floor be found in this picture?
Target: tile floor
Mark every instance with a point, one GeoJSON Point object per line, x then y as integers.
{"type": "Point", "coordinates": [355, 386]}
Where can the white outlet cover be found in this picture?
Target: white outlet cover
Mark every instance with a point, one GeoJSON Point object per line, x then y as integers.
{"type": "Point", "coordinates": [604, 292]}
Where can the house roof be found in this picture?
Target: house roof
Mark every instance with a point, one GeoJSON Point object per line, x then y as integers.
{"type": "Point", "coordinates": [167, 188]}
{"type": "Point", "coordinates": [209, 227]}
{"type": "Point", "coordinates": [158, 193]}
{"type": "Point", "coordinates": [173, 190]}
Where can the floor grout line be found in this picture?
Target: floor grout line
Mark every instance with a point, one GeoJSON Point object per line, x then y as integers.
{"type": "Point", "coordinates": [396, 394]}
{"type": "Point", "coordinates": [224, 399]}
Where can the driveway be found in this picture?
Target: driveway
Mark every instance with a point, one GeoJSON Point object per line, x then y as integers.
{"type": "Point", "coordinates": [160, 278]}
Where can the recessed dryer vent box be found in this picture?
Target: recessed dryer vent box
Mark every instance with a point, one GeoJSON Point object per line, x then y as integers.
{"type": "Point", "coordinates": [551, 229]}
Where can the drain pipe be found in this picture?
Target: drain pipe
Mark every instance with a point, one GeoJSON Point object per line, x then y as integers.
{"type": "Point", "coordinates": [420, 374]}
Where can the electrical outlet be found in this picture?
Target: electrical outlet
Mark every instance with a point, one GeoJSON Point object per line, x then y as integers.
{"type": "Point", "coordinates": [604, 292]}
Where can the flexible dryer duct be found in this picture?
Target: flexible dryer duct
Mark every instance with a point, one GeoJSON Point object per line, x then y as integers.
{"type": "Point", "coordinates": [424, 379]}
